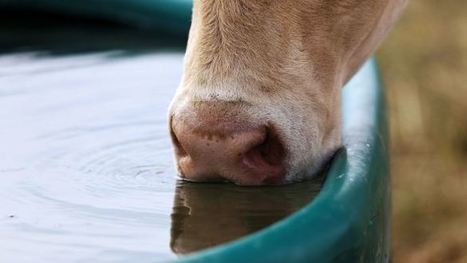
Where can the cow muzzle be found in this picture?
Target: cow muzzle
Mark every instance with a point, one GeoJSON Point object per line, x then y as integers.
{"type": "Point", "coordinates": [214, 143]}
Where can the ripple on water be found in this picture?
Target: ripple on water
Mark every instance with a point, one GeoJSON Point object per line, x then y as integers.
{"type": "Point", "coordinates": [86, 170]}
{"type": "Point", "coordinates": [86, 164]}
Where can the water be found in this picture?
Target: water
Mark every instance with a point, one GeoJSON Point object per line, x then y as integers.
{"type": "Point", "coordinates": [86, 168]}
{"type": "Point", "coordinates": [86, 165]}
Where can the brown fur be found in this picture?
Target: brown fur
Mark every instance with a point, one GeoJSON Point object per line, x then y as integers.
{"type": "Point", "coordinates": [287, 59]}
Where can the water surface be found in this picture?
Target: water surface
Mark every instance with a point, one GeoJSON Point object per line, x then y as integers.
{"type": "Point", "coordinates": [86, 170]}
{"type": "Point", "coordinates": [86, 166]}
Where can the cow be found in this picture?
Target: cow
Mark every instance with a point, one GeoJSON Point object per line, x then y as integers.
{"type": "Point", "coordinates": [260, 97]}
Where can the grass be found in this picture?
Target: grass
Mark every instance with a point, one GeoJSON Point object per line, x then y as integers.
{"type": "Point", "coordinates": [424, 65]}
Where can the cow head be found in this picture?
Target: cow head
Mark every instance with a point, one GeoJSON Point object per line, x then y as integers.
{"type": "Point", "coordinates": [259, 102]}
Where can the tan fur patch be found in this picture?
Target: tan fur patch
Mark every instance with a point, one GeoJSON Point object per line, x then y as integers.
{"type": "Point", "coordinates": [286, 59]}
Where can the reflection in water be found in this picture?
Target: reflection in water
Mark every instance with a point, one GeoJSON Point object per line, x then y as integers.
{"type": "Point", "coordinates": [205, 215]}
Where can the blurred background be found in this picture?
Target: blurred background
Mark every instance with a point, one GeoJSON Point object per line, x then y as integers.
{"type": "Point", "coordinates": [424, 65]}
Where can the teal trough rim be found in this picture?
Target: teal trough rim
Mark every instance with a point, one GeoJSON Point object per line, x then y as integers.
{"type": "Point", "coordinates": [350, 218]}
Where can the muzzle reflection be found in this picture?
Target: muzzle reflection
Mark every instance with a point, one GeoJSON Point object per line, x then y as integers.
{"type": "Point", "coordinates": [205, 215]}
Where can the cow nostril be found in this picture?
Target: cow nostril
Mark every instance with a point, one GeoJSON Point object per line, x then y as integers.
{"type": "Point", "coordinates": [268, 154]}
{"type": "Point", "coordinates": [272, 149]}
